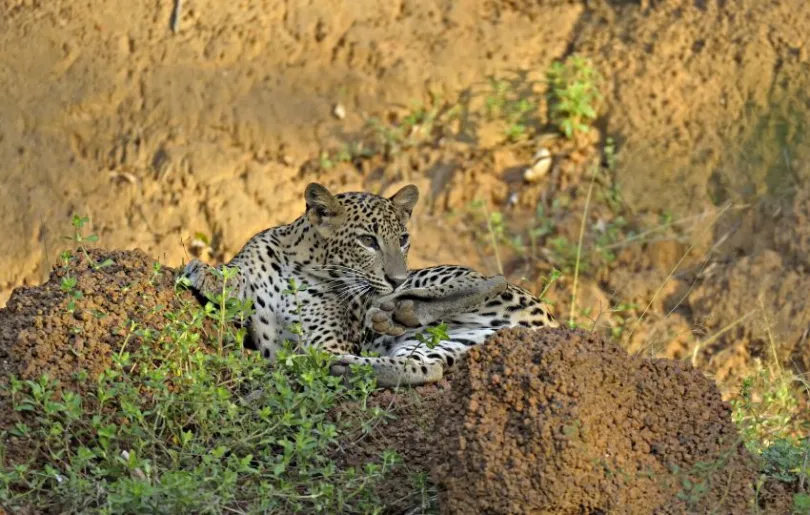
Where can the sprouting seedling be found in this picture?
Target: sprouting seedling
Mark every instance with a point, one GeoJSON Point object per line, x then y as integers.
{"type": "Point", "coordinates": [435, 335]}
{"type": "Point", "coordinates": [79, 239]}
{"type": "Point", "coordinates": [68, 285]}
{"type": "Point", "coordinates": [157, 269]}
{"type": "Point", "coordinates": [555, 275]}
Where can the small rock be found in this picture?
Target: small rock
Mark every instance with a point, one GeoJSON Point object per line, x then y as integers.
{"type": "Point", "coordinates": [541, 164]}
{"type": "Point", "coordinates": [339, 111]}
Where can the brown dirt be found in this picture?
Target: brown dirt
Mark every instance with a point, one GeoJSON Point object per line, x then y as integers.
{"type": "Point", "coordinates": [160, 135]}
{"type": "Point", "coordinates": [565, 422]}
{"type": "Point", "coordinates": [692, 83]}
{"type": "Point", "coordinates": [410, 431]}
{"type": "Point", "coordinates": [759, 307]}
{"type": "Point", "coordinates": [39, 336]}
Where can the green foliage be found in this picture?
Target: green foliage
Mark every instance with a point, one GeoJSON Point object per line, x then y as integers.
{"type": "Point", "coordinates": [764, 410]}
{"type": "Point", "coordinates": [422, 124]}
{"type": "Point", "coordinates": [765, 413]}
{"type": "Point", "coordinates": [502, 102]}
{"type": "Point", "coordinates": [572, 95]}
{"type": "Point", "coordinates": [786, 459]}
{"type": "Point", "coordinates": [801, 504]}
{"type": "Point", "coordinates": [80, 240]}
{"type": "Point", "coordinates": [189, 422]}
{"type": "Point", "coordinates": [435, 335]}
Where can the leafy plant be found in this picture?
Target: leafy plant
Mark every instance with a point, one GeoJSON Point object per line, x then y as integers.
{"type": "Point", "coordinates": [572, 94]}
{"type": "Point", "coordinates": [517, 112]}
{"type": "Point", "coordinates": [79, 239]}
{"type": "Point", "coordinates": [189, 422]}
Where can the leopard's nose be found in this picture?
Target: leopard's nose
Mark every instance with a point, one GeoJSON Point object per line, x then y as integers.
{"type": "Point", "coordinates": [396, 280]}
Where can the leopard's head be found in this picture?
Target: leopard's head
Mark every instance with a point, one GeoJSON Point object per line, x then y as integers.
{"type": "Point", "coordinates": [365, 237]}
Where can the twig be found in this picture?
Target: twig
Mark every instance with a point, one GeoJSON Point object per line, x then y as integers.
{"type": "Point", "coordinates": [178, 7]}
{"type": "Point", "coordinates": [718, 334]}
{"type": "Point", "coordinates": [672, 272]}
{"type": "Point", "coordinates": [579, 248]}
{"type": "Point", "coordinates": [493, 238]}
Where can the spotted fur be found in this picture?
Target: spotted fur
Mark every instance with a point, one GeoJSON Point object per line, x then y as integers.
{"type": "Point", "coordinates": [350, 251]}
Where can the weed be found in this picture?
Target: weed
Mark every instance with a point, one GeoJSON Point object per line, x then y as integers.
{"type": "Point", "coordinates": [579, 248]}
{"type": "Point", "coordinates": [572, 95]}
{"type": "Point", "coordinates": [188, 422]}
{"type": "Point", "coordinates": [435, 335]}
{"type": "Point", "coordinates": [419, 126]}
{"type": "Point", "coordinates": [504, 103]}
{"type": "Point", "coordinates": [79, 239]}
{"type": "Point", "coordinates": [766, 412]}
{"type": "Point", "coordinates": [68, 285]}
{"type": "Point", "coordinates": [765, 407]}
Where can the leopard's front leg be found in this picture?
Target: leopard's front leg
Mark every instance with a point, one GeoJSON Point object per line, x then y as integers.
{"type": "Point", "coordinates": [395, 313]}
{"type": "Point", "coordinates": [393, 371]}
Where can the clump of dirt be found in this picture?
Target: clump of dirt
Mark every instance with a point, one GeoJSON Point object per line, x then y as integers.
{"type": "Point", "coordinates": [407, 429]}
{"type": "Point", "coordinates": [41, 333]}
{"type": "Point", "coordinates": [565, 422]}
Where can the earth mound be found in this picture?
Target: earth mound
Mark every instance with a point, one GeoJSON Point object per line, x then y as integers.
{"type": "Point", "coordinates": [45, 330]}
{"type": "Point", "coordinates": [564, 422]}
{"type": "Point", "coordinates": [77, 320]}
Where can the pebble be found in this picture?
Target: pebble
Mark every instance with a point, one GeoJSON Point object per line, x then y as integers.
{"type": "Point", "coordinates": [541, 164]}
{"type": "Point", "coordinates": [339, 111]}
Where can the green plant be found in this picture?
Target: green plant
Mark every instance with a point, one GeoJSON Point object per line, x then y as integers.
{"type": "Point", "coordinates": [422, 124]}
{"type": "Point", "coordinates": [186, 421]}
{"type": "Point", "coordinates": [68, 285]}
{"type": "Point", "coordinates": [79, 239]}
{"type": "Point", "coordinates": [435, 335]}
{"type": "Point", "coordinates": [767, 415]}
{"type": "Point", "coordinates": [517, 112]}
{"type": "Point", "coordinates": [572, 94]}
{"type": "Point", "coordinates": [801, 504]}
{"type": "Point", "coordinates": [765, 408]}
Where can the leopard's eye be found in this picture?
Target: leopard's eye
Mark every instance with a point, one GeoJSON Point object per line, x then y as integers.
{"type": "Point", "coordinates": [369, 241]}
{"type": "Point", "coordinates": [404, 240]}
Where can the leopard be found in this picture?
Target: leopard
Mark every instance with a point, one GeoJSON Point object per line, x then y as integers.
{"type": "Point", "coordinates": [355, 297]}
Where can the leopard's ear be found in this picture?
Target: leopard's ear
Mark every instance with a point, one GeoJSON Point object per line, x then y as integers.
{"type": "Point", "coordinates": [324, 211]}
{"type": "Point", "coordinates": [404, 201]}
